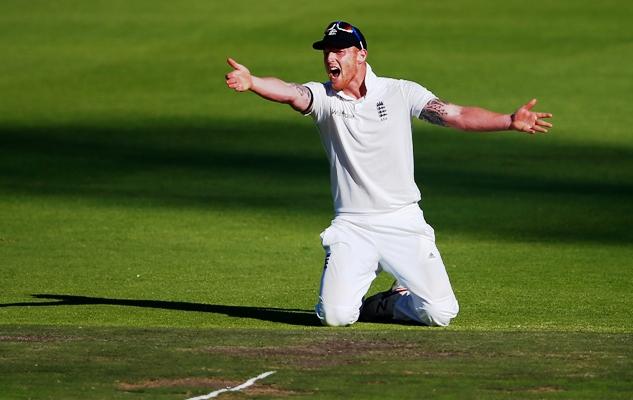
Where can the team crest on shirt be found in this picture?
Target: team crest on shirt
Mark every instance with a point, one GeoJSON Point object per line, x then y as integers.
{"type": "Point", "coordinates": [382, 111]}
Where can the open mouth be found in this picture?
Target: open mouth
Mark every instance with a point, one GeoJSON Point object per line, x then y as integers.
{"type": "Point", "coordinates": [334, 72]}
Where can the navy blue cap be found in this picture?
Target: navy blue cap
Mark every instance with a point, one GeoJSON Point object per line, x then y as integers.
{"type": "Point", "coordinates": [340, 35]}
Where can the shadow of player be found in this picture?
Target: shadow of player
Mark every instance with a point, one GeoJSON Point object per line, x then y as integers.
{"type": "Point", "coordinates": [280, 315]}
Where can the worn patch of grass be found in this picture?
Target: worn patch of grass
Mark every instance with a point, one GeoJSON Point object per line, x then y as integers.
{"type": "Point", "coordinates": [116, 363]}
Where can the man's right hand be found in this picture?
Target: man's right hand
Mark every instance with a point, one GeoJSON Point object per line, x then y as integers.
{"type": "Point", "coordinates": [240, 78]}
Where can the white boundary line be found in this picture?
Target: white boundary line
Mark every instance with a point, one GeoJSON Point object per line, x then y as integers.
{"type": "Point", "coordinates": [235, 388]}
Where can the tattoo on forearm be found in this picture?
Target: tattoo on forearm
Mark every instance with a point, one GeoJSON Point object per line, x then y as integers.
{"type": "Point", "coordinates": [435, 112]}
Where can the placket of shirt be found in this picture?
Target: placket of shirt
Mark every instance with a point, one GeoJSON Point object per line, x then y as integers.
{"type": "Point", "coordinates": [364, 122]}
{"type": "Point", "coordinates": [358, 124]}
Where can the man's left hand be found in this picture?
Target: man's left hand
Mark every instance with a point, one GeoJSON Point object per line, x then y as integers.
{"type": "Point", "coordinates": [525, 120]}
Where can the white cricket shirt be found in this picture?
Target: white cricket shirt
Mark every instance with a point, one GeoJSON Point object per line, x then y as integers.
{"type": "Point", "coordinates": [369, 143]}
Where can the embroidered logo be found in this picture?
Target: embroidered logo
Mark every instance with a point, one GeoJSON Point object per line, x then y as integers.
{"type": "Point", "coordinates": [382, 110]}
{"type": "Point", "coordinates": [343, 113]}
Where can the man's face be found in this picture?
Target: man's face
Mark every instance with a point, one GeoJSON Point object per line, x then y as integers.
{"type": "Point", "coordinates": [341, 65]}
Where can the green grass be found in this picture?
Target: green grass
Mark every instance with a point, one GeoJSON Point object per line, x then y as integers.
{"type": "Point", "coordinates": [122, 363]}
{"type": "Point", "coordinates": [156, 226]}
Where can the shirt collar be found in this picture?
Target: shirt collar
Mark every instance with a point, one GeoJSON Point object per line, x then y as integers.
{"type": "Point", "coordinates": [370, 83]}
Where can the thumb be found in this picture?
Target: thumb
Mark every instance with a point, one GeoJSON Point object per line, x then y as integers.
{"type": "Point", "coordinates": [234, 64]}
{"type": "Point", "coordinates": [530, 104]}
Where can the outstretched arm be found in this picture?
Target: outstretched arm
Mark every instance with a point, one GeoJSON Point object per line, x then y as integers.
{"type": "Point", "coordinates": [478, 119]}
{"type": "Point", "coordinates": [240, 79]}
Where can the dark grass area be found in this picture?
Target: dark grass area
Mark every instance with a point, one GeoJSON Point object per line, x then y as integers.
{"type": "Point", "coordinates": [113, 363]}
{"type": "Point", "coordinates": [529, 188]}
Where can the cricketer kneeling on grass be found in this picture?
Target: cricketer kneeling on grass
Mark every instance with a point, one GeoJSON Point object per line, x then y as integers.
{"type": "Point", "coordinates": [365, 125]}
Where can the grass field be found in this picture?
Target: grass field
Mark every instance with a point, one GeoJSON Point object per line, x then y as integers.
{"type": "Point", "coordinates": [159, 233]}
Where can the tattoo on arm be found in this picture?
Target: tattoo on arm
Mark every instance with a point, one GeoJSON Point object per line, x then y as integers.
{"type": "Point", "coordinates": [302, 90]}
{"type": "Point", "coordinates": [305, 93]}
{"type": "Point", "coordinates": [435, 112]}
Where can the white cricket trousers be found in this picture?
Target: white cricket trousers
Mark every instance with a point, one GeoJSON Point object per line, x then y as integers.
{"type": "Point", "coordinates": [358, 247]}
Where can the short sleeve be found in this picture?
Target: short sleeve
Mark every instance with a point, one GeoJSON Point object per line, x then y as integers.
{"type": "Point", "coordinates": [417, 96]}
{"type": "Point", "coordinates": [319, 96]}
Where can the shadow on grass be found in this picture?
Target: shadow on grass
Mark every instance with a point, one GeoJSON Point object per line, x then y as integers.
{"type": "Point", "coordinates": [280, 315]}
{"type": "Point", "coordinates": [520, 188]}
